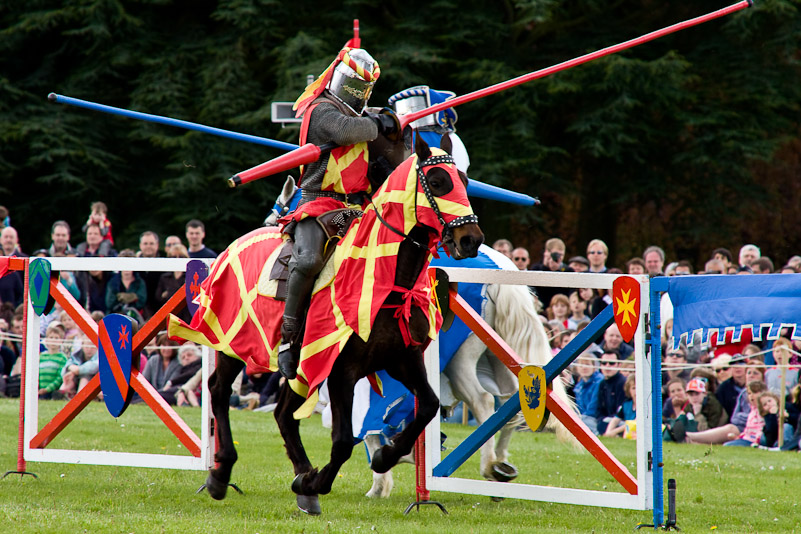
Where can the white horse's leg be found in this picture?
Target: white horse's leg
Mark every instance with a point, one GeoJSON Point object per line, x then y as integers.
{"type": "Point", "coordinates": [382, 482]}
{"type": "Point", "coordinates": [462, 373]}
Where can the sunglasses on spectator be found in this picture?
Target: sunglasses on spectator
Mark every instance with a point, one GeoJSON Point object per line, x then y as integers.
{"type": "Point", "coordinates": [677, 354]}
{"type": "Point", "coordinates": [722, 369]}
{"type": "Point", "coordinates": [519, 259]}
{"type": "Point", "coordinates": [608, 363]}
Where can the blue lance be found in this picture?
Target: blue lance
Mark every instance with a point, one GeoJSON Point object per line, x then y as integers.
{"type": "Point", "coordinates": [474, 187]}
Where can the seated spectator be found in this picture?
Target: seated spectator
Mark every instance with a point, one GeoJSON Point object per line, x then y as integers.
{"type": "Point", "coordinates": [635, 266]}
{"type": "Point", "coordinates": [624, 423]}
{"type": "Point", "coordinates": [613, 341]}
{"type": "Point", "coordinates": [577, 308]}
{"type": "Point", "coordinates": [729, 390]}
{"type": "Point", "coordinates": [720, 365]}
{"type": "Point", "coordinates": [521, 259]}
{"type": "Point", "coordinates": [164, 366]}
{"type": "Point", "coordinates": [731, 432]}
{"type": "Point", "coordinates": [60, 235]}
{"type": "Point", "coordinates": [769, 410]}
{"type": "Point", "coordinates": [676, 401]}
{"type": "Point", "coordinates": [714, 266]}
{"type": "Point", "coordinates": [610, 393]}
{"type": "Point", "coordinates": [11, 285]}
{"type": "Point", "coordinates": [551, 262]}
{"type": "Point", "coordinates": [705, 408]}
{"type": "Point", "coordinates": [504, 246]}
{"type": "Point", "coordinates": [8, 353]}
{"type": "Point", "coordinates": [149, 248]}
{"type": "Point", "coordinates": [749, 253]}
{"type": "Point", "coordinates": [654, 258]}
{"type": "Point", "coordinates": [91, 248]}
{"type": "Point", "coordinates": [559, 310]}
{"type": "Point", "coordinates": [125, 290]}
{"type": "Point", "coordinates": [597, 254]}
{"type": "Point", "coordinates": [579, 264]}
{"type": "Point", "coordinates": [189, 356]}
{"type": "Point", "coordinates": [723, 255]}
{"type": "Point", "coordinates": [92, 285]}
{"type": "Point", "coordinates": [98, 216]}
{"type": "Point", "coordinates": [80, 368]}
{"type": "Point", "coordinates": [675, 365]}
{"type": "Point", "coordinates": [169, 283]}
{"type": "Point", "coordinates": [793, 409]}
{"type": "Point", "coordinates": [773, 375]}
{"type": "Point", "coordinates": [195, 233]}
{"type": "Point", "coordinates": [762, 265]}
{"type": "Point", "coordinates": [51, 361]}
{"type": "Point", "coordinates": [588, 382]}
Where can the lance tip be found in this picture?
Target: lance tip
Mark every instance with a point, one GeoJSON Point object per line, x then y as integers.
{"type": "Point", "coordinates": [52, 97]}
{"type": "Point", "coordinates": [234, 181]}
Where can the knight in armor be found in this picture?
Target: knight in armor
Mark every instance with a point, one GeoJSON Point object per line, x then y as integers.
{"type": "Point", "coordinates": [333, 109]}
{"type": "Point", "coordinates": [432, 127]}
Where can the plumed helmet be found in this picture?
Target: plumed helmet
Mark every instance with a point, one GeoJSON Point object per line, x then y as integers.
{"type": "Point", "coordinates": [421, 97]}
{"type": "Point", "coordinates": [353, 79]}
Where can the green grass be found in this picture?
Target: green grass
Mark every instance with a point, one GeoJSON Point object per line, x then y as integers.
{"type": "Point", "coordinates": [720, 489]}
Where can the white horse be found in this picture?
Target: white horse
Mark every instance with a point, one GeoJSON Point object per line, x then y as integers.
{"type": "Point", "coordinates": [476, 377]}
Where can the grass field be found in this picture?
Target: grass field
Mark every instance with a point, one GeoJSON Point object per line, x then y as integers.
{"type": "Point", "coordinates": [722, 489]}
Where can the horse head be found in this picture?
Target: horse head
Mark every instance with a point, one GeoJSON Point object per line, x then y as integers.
{"type": "Point", "coordinates": [444, 206]}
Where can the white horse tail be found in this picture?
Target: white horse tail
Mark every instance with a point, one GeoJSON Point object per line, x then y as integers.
{"type": "Point", "coordinates": [517, 321]}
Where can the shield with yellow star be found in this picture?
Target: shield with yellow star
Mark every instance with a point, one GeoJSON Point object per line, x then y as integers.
{"type": "Point", "coordinates": [114, 337]}
{"type": "Point", "coordinates": [626, 305]}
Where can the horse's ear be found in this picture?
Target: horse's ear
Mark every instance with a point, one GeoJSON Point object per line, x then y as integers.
{"type": "Point", "coordinates": [421, 148]}
{"type": "Point", "coordinates": [446, 144]}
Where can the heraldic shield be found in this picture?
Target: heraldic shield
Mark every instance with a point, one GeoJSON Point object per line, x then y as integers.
{"type": "Point", "coordinates": [626, 305]}
{"type": "Point", "coordinates": [114, 337]}
{"type": "Point", "coordinates": [531, 380]}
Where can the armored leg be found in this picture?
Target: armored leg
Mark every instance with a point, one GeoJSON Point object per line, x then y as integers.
{"type": "Point", "coordinates": [304, 266]}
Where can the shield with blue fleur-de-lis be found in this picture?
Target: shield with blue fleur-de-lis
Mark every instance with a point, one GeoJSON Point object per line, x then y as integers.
{"type": "Point", "coordinates": [196, 272]}
{"type": "Point", "coordinates": [114, 343]}
{"type": "Point", "coordinates": [39, 276]}
{"type": "Point", "coordinates": [532, 387]}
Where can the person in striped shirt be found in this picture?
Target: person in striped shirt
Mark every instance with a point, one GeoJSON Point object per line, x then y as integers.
{"type": "Point", "coordinates": [51, 361]}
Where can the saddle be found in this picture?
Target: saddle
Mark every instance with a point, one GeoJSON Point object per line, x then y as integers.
{"type": "Point", "coordinates": [335, 224]}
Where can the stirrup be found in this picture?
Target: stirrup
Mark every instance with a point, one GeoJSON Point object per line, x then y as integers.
{"type": "Point", "coordinates": [287, 361]}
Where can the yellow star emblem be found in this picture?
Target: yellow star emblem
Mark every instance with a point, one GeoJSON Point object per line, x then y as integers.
{"type": "Point", "coordinates": [626, 306]}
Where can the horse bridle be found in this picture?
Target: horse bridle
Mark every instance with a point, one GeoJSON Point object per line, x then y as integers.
{"type": "Point", "coordinates": [447, 228]}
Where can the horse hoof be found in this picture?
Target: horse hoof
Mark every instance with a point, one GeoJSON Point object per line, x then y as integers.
{"type": "Point", "coordinates": [504, 472]}
{"type": "Point", "coordinates": [216, 488]}
{"type": "Point", "coordinates": [309, 504]}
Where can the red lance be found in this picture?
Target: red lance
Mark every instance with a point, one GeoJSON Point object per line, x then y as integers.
{"type": "Point", "coordinates": [310, 152]}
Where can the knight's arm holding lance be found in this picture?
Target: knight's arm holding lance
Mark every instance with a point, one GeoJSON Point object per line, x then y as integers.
{"type": "Point", "coordinates": [333, 109]}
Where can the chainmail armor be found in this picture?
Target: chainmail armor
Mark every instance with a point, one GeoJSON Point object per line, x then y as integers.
{"type": "Point", "coordinates": [333, 121]}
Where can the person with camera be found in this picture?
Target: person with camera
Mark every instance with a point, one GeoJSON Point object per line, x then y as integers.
{"type": "Point", "coordinates": [552, 261]}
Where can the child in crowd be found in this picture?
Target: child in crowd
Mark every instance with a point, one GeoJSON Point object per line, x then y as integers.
{"type": "Point", "coordinates": [80, 367]}
{"type": "Point", "coordinates": [588, 380]}
{"type": "Point", "coordinates": [51, 361]}
{"type": "Point", "coordinates": [72, 335]}
{"type": "Point", "coordinates": [99, 216]}
{"type": "Point", "coordinates": [559, 310]}
{"type": "Point", "coordinates": [624, 423]}
{"type": "Point", "coordinates": [731, 433]}
{"type": "Point", "coordinates": [676, 401]}
{"type": "Point", "coordinates": [577, 308]}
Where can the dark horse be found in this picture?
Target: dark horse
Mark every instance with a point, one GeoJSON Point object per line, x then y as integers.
{"type": "Point", "coordinates": [423, 203]}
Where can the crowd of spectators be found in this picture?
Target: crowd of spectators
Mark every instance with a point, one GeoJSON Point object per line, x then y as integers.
{"type": "Point", "coordinates": [68, 360]}
{"type": "Point", "coordinates": [716, 394]}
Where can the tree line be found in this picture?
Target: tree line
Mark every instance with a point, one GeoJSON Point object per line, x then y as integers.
{"type": "Point", "coordinates": [690, 141]}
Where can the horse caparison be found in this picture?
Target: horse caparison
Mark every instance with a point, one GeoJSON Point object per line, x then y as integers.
{"type": "Point", "coordinates": [385, 348]}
